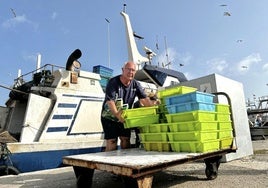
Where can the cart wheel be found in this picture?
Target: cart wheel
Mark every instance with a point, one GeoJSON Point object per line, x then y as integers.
{"type": "Point", "coordinates": [8, 170]}
{"type": "Point", "coordinates": [83, 176]}
{"type": "Point", "coordinates": [212, 166]}
{"type": "Point", "coordinates": [210, 173]}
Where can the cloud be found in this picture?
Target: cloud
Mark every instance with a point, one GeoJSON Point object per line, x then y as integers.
{"type": "Point", "coordinates": [265, 68]}
{"type": "Point", "coordinates": [184, 58]}
{"type": "Point", "coordinates": [245, 64]}
{"type": "Point", "coordinates": [168, 56]}
{"type": "Point", "coordinates": [13, 22]}
{"type": "Point", "coordinates": [29, 57]}
{"type": "Point", "coordinates": [54, 15]}
{"type": "Point", "coordinates": [217, 65]}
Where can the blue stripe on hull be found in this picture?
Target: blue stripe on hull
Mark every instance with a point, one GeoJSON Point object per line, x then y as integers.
{"type": "Point", "coordinates": [33, 161]}
{"type": "Point", "coordinates": [57, 129]}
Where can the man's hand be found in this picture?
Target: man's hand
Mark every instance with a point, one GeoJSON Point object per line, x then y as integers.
{"type": "Point", "coordinates": [120, 117]}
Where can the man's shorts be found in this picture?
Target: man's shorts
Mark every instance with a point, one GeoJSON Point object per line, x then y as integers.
{"type": "Point", "coordinates": [113, 129]}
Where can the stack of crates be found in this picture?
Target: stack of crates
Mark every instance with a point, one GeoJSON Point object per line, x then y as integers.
{"type": "Point", "coordinates": [196, 129]}
{"type": "Point", "coordinates": [164, 93]}
{"type": "Point", "coordinates": [224, 125]}
{"type": "Point", "coordinates": [105, 74]}
{"type": "Point", "coordinates": [193, 123]}
{"type": "Point", "coordinates": [154, 137]}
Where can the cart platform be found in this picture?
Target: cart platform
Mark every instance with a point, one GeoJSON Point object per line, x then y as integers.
{"type": "Point", "coordinates": [137, 165]}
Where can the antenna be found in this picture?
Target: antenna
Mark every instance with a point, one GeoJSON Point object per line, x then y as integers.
{"type": "Point", "coordinates": [125, 8]}
{"type": "Point", "coordinates": [168, 63]}
{"type": "Point", "coordinates": [108, 38]}
{"type": "Point", "coordinates": [157, 47]}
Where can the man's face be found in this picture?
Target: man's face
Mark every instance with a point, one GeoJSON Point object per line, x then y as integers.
{"type": "Point", "coordinates": [129, 71]}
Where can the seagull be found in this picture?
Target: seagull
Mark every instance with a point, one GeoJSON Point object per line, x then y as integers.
{"type": "Point", "coordinates": [226, 14]}
{"type": "Point", "coordinates": [108, 21]}
{"type": "Point", "coordinates": [12, 10]}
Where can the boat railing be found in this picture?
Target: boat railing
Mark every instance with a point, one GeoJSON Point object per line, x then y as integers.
{"type": "Point", "coordinates": [37, 76]}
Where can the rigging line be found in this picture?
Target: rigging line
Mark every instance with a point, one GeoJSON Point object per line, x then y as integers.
{"type": "Point", "coordinates": [14, 90]}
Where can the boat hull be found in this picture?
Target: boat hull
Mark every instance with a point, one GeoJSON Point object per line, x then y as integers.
{"type": "Point", "coordinates": [40, 156]}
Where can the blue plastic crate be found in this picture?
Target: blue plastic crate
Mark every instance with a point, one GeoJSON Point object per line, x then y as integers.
{"type": "Point", "coordinates": [190, 106]}
{"type": "Point", "coordinates": [196, 96]}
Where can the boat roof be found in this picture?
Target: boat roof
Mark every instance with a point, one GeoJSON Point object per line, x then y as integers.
{"type": "Point", "coordinates": [158, 74]}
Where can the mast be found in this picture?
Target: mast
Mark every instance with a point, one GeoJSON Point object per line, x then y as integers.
{"type": "Point", "coordinates": [133, 53]}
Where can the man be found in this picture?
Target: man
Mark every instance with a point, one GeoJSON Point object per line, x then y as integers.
{"type": "Point", "coordinates": [123, 86]}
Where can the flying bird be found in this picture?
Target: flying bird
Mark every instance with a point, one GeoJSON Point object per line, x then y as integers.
{"type": "Point", "coordinates": [107, 20]}
{"type": "Point", "coordinates": [223, 5]}
{"type": "Point", "coordinates": [137, 36]}
{"type": "Point", "coordinates": [226, 14]}
{"type": "Point", "coordinates": [181, 64]}
{"type": "Point", "coordinates": [244, 67]}
{"type": "Point", "coordinates": [13, 12]}
{"type": "Point", "coordinates": [239, 40]}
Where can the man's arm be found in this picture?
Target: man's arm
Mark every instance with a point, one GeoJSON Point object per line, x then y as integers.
{"type": "Point", "coordinates": [114, 111]}
{"type": "Point", "coordinates": [148, 102]}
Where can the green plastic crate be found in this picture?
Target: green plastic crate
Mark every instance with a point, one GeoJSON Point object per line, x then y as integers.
{"type": "Point", "coordinates": [193, 126]}
{"type": "Point", "coordinates": [153, 137]}
{"type": "Point", "coordinates": [197, 115]}
{"type": "Point", "coordinates": [224, 108]}
{"type": "Point", "coordinates": [155, 128]}
{"type": "Point", "coordinates": [193, 136]}
{"type": "Point", "coordinates": [225, 134]}
{"type": "Point", "coordinates": [223, 116]}
{"type": "Point", "coordinates": [223, 125]}
{"type": "Point", "coordinates": [141, 121]}
{"type": "Point", "coordinates": [175, 91]}
{"type": "Point", "coordinates": [195, 147]}
{"type": "Point", "coordinates": [226, 143]}
{"type": "Point", "coordinates": [143, 111]}
{"type": "Point", "coordinates": [157, 146]}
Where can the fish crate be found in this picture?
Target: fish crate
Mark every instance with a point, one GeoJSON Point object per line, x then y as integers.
{"type": "Point", "coordinates": [223, 125]}
{"type": "Point", "coordinates": [157, 146]}
{"type": "Point", "coordinates": [155, 128]}
{"type": "Point", "coordinates": [193, 136]}
{"type": "Point", "coordinates": [197, 115]}
{"type": "Point", "coordinates": [223, 108]}
{"type": "Point", "coordinates": [153, 137]}
{"type": "Point", "coordinates": [190, 106]}
{"type": "Point", "coordinates": [226, 143]}
{"type": "Point", "coordinates": [196, 96]}
{"type": "Point", "coordinates": [142, 111]}
{"type": "Point", "coordinates": [225, 134]}
{"type": "Point", "coordinates": [141, 121]}
{"type": "Point", "coordinates": [223, 116]}
{"type": "Point", "coordinates": [195, 147]}
{"type": "Point", "coordinates": [193, 126]}
{"type": "Point", "coordinates": [103, 71]}
{"type": "Point", "coordinates": [175, 91]}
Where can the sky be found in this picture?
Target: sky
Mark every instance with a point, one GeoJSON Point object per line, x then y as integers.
{"type": "Point", "coordinates": [229, 38]}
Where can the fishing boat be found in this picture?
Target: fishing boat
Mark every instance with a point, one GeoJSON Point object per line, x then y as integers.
{"type": "Point", "coordinates": [257, 111]}
{"type": "Point", "coordinates": [54, 111]}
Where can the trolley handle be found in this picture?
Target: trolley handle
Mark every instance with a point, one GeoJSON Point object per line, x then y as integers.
{"type": "Point", "coordinates": [230, 108]}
